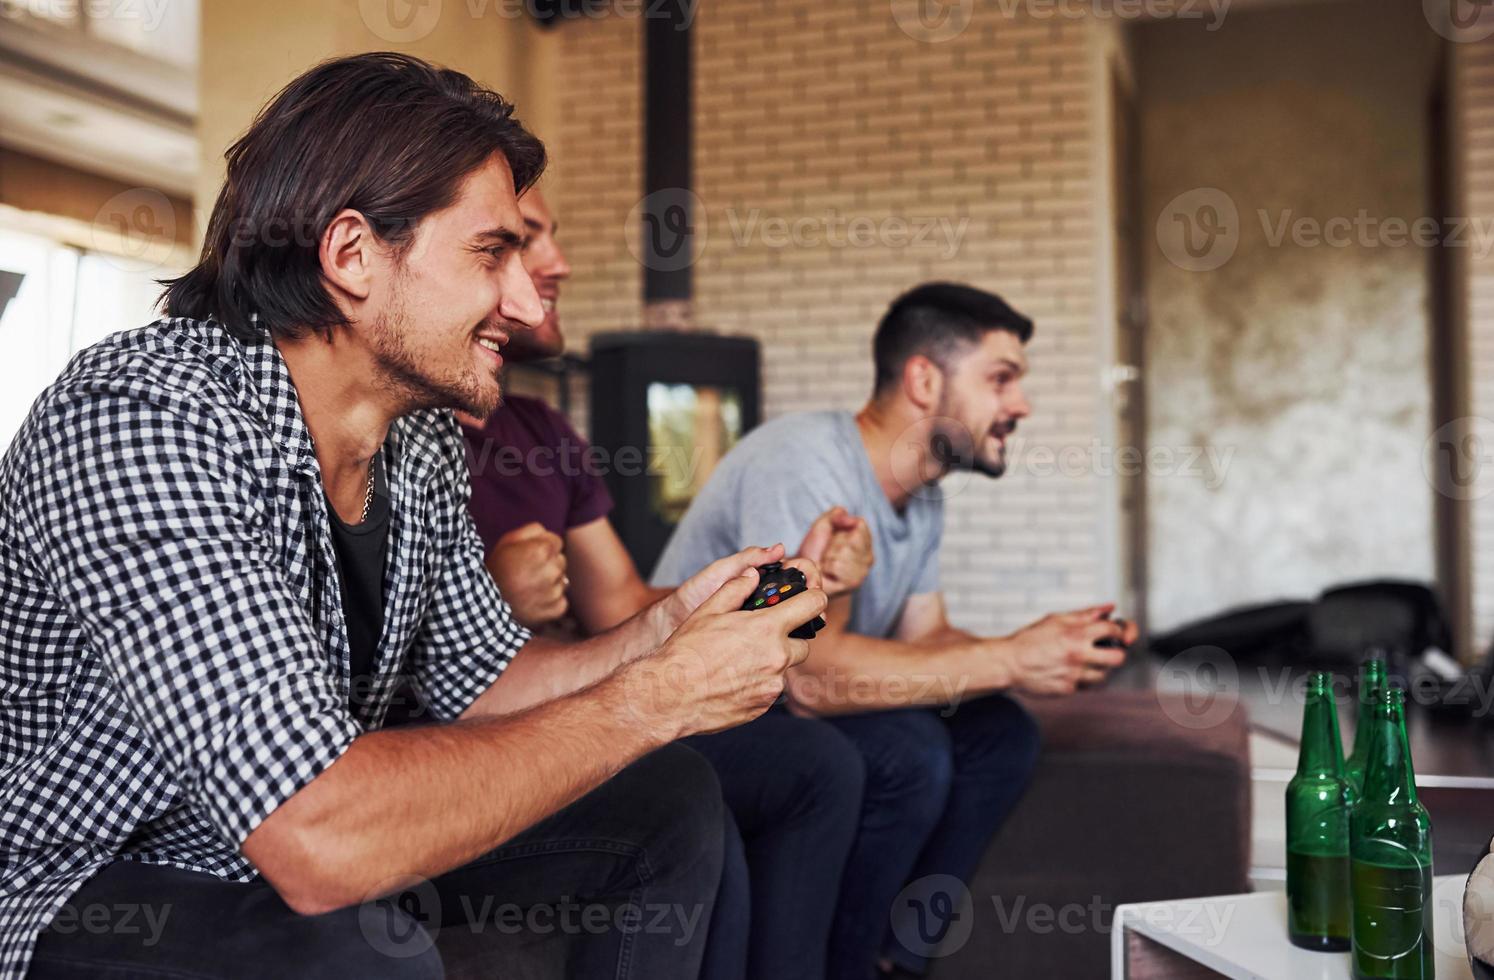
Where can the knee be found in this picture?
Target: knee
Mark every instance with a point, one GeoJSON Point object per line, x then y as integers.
{"type": "Point", "coordinates": [928, 772]}
{"type": "Point", "coordinates": [1001, 735]}
{"type": "Point", "coordinates": [372, 939]}
{"type": "Point", "coordinates": [686, 796]}
{"type": "Point", "coordinates": [912, 778]}
{"type": "Point", "coordinates": [1028, 739]}
{"type": "Point", "coordinates": [832, 773]}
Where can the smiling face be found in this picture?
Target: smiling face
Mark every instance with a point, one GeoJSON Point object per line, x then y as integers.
{"type": "Point", "coordinates": [439, 312]}
{"type": "Point", "coordinates": [548, 268]}
{"type": "Point", "coordinates": [981, 403]}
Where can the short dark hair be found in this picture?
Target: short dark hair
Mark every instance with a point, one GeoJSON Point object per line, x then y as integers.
{"type": "Point", "coordinates": [939, 320]}
{"type": "Point", "coordinates": [385, 134]}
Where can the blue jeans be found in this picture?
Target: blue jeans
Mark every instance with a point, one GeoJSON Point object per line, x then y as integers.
{"type": "Point", "coordinates": [726, 941]}
{"type": "Point", "coordinates": [939, 782]}
{"type": "Point", "coordinates": [794, 788]}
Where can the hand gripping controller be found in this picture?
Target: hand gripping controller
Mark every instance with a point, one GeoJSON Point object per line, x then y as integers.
{"type": "Point", "coordinates": [1110, 642]}
{"type": "Point", "coordinates": [777, 583]}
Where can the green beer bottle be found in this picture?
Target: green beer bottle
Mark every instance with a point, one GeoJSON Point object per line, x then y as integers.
{"type": "Point", "coordinates": [1317, 826]}
{"type": "Point", "coordinates": [1371, 679]}
{"type": "Point", "coordinates": [1390, 852]}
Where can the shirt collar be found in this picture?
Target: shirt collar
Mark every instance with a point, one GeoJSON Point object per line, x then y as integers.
{"type": "Point", "coordinates": [266, 383]}
{"type": "Point", "coordinates": [270, 384]}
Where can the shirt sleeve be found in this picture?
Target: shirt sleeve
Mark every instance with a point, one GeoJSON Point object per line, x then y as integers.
{"type": "Point", "coordinates": [780, 502]}
{"type": "Point", "coordinates": [468, 634]}
{"type": "Point", "coordinates": [928, 576]}
{"type": "Point", "coordinates": [151, 526]}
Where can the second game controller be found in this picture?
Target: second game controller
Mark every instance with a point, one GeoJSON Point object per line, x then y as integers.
{"type": "Point", "coordinates": [1112, 642]}
{"type": "Point", "coordinates": [777, 582]}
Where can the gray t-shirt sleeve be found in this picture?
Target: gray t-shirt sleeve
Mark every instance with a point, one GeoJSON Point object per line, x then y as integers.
{"type": "Point", "coordinates": [785, 503]}
{"type": "Point", "coordinates": [928, 577]}
{"type": "Point", "coordinates": [767, 490]}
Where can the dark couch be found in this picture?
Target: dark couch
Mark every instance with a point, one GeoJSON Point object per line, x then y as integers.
{"type": "Point", "coordinates": [1138, 797]}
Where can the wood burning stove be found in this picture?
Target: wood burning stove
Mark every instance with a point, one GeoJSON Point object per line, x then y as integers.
{"type": "Point", "coordinates": [665, 407]}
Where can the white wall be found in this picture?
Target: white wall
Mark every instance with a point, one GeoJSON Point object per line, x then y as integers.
{"type": "Point", "coordinates": [1304, 363]}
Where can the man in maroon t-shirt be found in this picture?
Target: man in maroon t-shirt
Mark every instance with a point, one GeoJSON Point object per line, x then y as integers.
{"type": "Point", "coordinates": [533, 497]}
{"type": "Point", "coordinates": [792, 784]}
{"type": "Point", "coordinates": [540, 505]}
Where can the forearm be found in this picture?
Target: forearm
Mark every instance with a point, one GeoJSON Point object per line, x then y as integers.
{"type": "Point", "coordinates": [424, 799]}
{"type": "Point", "coordinates": [544, 669]}
{"type": "Point", "coordinates": [948, 636]}
{"type": "Point", "coordinates": [848, 673]}
{"type": "Point", "coordinates": [606, 608]}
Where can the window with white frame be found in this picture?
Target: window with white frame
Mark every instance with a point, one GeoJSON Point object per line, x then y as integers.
{"type": "Point", "coordinates": [68, 298]}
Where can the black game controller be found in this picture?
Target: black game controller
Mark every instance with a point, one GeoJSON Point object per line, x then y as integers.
{"type": "Point", "coordinates": [777, 583]}
{"type": "Point", "coordinates": [1111, 642]}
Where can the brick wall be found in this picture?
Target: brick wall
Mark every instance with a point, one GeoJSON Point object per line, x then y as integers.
{"type": "Point", "coordinates": [809, 109]}
{"type": "Point", "coordinates": [834, 117]}
{"type": "Point", "coordinates": [597, 169]}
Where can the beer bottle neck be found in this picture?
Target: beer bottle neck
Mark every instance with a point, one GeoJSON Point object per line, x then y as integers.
{"type": "Point", "coordinates": [1371, 682]}
{"type": "Point", "coordinates": [1321, 753]}
{"type": "Point", "coordinates": [1388, 777]}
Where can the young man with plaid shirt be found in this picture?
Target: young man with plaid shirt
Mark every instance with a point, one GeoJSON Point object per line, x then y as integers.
{"type": "Point", "coordinates": [228, 534]}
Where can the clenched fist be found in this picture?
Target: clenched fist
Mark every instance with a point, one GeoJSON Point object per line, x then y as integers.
{"type": "Point", "coordinates": [841, 545]}
{"type": "Point", "coordinates": [528, 564]}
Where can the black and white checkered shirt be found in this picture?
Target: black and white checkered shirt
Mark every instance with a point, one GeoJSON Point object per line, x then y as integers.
{"type": "Point", "coordinates": [173, 655]}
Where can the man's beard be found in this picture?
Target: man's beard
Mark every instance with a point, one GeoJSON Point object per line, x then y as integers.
{"type": "Point", "coordinates": [955, 447]}
{"type": "Point", "coordinates": [951, 455]}
{"type": "Point", "coordinates": [399, 370]}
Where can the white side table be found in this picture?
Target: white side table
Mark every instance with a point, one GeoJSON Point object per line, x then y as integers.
{"type": "Point", "coordinates": [1244, 937]}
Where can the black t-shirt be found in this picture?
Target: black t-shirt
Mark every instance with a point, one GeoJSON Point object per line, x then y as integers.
{"type": "Point", "coordinates": [361, 553]}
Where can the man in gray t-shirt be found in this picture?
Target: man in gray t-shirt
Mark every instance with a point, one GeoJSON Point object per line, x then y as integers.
{"type": "Point", "coordinates": [947, 752]}
{"type": "Point", "coordinates": [783, 476]}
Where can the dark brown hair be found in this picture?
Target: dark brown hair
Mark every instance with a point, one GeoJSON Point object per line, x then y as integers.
{"type": "Point", "coordinates": [385, 134]}
{"type": "Point", "coordinates": [941, 321]}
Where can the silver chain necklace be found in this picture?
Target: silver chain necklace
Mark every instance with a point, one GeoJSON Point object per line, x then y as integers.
{"type": "Point", "coordinates": [368, 495]}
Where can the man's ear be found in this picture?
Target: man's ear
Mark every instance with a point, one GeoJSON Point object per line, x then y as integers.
{"type": "Point", "coordinates": [923, 382]}
{"type": "Point", "coordinates": [349, 253]}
